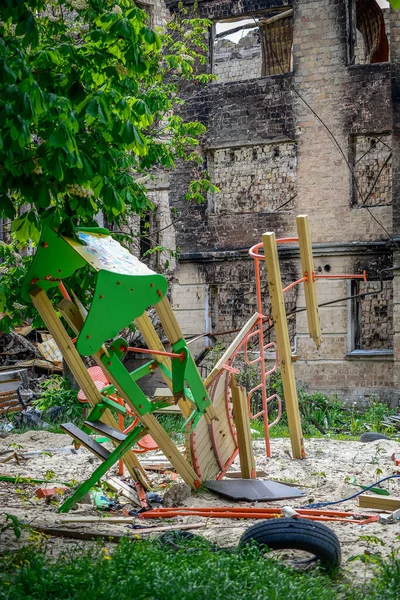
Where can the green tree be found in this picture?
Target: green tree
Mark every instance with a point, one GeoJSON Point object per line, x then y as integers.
{"type": "Point", "coordinates": [88, 103]}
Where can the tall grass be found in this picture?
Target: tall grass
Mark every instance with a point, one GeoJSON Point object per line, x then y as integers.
{"type": "Point", "coordinates": [143, 570]}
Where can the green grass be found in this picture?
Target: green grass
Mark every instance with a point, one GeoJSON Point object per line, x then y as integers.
{"type": "Point", "coordinates": [144, 571]}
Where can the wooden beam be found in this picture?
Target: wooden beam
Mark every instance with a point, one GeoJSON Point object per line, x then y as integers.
{"type": "Point", "coordinates": [283, 343]}
{"type": "Point", "coordinates": [307, 266]}
{"type": "Point", "coordinates": [260, 22]}
{"type": "Point", "coordinates": [77, 366]}
{"type": "Point", "coordinates": [242, 424]}
{"type": "Point", "coordinates": [152, 340]}
{"type": "Point", "coordinates": [231, 349]}
{"type": "Point", "coordinates": [390, 503]}
{"type": "Point", "coordinates": [174, 334]}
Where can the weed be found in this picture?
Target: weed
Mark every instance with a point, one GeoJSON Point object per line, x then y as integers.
{"type": "Point", "coordinates": [144, 569]}
{"type": "Point", "coordinates": [56, 391]}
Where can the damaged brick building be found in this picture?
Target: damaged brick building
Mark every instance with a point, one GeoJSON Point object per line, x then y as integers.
{"type": "Point", "coordinates": [304, 118]}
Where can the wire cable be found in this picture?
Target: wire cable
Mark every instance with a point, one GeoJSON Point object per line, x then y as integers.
{"type": "Point", "coordinates": [322, 504]}
{"type": "Point", "coordinates": [335, 141]}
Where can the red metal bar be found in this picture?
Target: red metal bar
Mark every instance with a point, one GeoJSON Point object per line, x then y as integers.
{"type": "Point", "coordinates": [181, 356]}
{"type": "Point", "coordinates": [363, 276]}
{"type": "Point", "coordinates": [63, 291]}
{"type": "Point", "coordinates": [295, 283]}
{"type": "Point", "coordinates": [257, 513]}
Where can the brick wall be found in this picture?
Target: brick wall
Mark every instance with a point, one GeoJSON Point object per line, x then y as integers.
{"type": "Point", "coordinates": [253, 178]}
{"type": "Point", "coordinates": [249, 119]}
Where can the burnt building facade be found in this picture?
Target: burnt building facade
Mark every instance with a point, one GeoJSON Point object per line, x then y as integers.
{"type": "Point", "coordinates": [303, 118]}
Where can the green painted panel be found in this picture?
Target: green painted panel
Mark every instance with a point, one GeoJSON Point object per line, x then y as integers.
{"type": "Point", "coordinates": [191, 374]}
{"type": "Point", "coordinates": [126, 386]}
{"type": "Point", "coordinates": [54, 260]}
{"type": "Point", "coordinates": [117, 301]}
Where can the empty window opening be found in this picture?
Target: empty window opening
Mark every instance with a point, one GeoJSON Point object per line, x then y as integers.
{"type": "Point", "coordinates": [253, 47]}
{"type": "Point", "coordinates": [369, 31]}
{"type": "Point", "coordinates": [372, 316]}
{"type": "Point", "coordinates": [372, 168]}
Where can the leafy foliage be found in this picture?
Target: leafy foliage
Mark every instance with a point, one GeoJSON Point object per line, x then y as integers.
{"type": "Point", "coordinates": [57, 392]}
{"type": "Point", "coordinates": [89, 98]}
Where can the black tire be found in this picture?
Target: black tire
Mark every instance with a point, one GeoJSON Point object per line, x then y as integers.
{"type": "Point", "coordinates": [371, 436]}
{"type": "Point", "coordinates": [302, 534]}
{"type": "Point", "coordinates": [175, 538]}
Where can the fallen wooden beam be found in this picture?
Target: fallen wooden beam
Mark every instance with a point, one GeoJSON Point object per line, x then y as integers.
{"type": "Point", "coordinates": [242, 423]}
{"type": "Point", "coordinates": [238, 474]}
{"type": "Point", "coordinates": [390, 503]}
{"type": "Point", "coordinates": [123, 489]}
{"type": "Point", "coordinates": [114, 538]}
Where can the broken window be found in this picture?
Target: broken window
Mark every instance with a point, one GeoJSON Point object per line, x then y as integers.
{"type": "Point", "coordinates": [252, 47]}
{"type": "Point", "coordinates": [372, 315]}
{"type": "Point", "coordinates": [368, 31]}
{"type": "Point", "coordinates": [258, 178]}
{"type": "Point", "coordinates": [372, 168]}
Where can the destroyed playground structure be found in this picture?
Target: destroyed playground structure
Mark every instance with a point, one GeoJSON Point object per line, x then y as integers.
{"type": "Point", "coordinates": [124, 289]}
{"type": "Point", "coordinates": [216, 410]}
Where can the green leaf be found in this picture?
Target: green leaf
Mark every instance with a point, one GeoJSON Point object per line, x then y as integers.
{"type": "Point", "coordinates": [395, 3]}
{"type": "Point", "coordinates": [7, 206]}
{"type": "Point", "coordinates": [7, 75]}
{"type": "Point", "coordinates": [59, 138]}
{"type": "Point", "coordinates": [27, 28]}
{"type": "Point", "coordinates": [3, 299]}
{"type": "Point", "coordinates": [149, 35]}
{"type": "Point", "coordinates": [26, 228]}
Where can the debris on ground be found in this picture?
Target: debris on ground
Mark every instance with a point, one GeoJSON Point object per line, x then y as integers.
{"type": "Point", "coordinates": [176, 495]}
{"type": "Point", "coordinates": [325, 475]}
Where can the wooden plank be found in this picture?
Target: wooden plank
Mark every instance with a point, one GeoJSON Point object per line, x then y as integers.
{"type": "Point", "coordinates": [86, 440]}
{"type": "Point", "coordinates": [110, 537]}
{"type": "Point", "coordinates": [153, 342]}
{"type": "Point", "coordinates": [390, 503]}
{"type": "Point", "coordinates": [116, 520]}
{"type": "Point", "coordinates": [12, 409]}
{"type": "Point", "coordinates": [283, 343]}
{"type": "Point", "coordinates": [113, 434]}
{"type": "Point", "coordinates": [77, 366]}
{"type": "Point", "coordinates": [231, 348]}
{"type": "Point", "coordinates": [163, 393]}
{"type": "Point", "coordinates": [307, 265]}
{"type": "Point", "coordinates": [123, 489]}
{"type": "Point", "coordinates": [168, 321]}
{"type": "Point", "coordinates": [238, 474]}
{"type": "Point", "coordinates": [168, 410]}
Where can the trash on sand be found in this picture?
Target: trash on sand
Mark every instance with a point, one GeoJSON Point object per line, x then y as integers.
{"type": "Point", "coordinates": [50, 492]}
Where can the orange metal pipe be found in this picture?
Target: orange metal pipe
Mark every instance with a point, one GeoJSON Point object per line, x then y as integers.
{"type": "Point", "coordinates": [255, 513]}
{"type": "Point", "coordinates": [181, 356]}
{"type": "Point", "coordinates": [295, 283]}
{"type": "Point", "coordinates": [363, 276]}
{"type": "Point", "coordinates": [63, 291]}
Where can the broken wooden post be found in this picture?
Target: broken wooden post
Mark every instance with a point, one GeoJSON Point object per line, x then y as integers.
{"type": "Point", "coordinates": [79, 371]}
{"type": "Point", "coordinates": [242, 424]}
{"type": "Point", "coordinates": [283, 343]}
{"type": "Point", "coordinates": [307, 266]}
